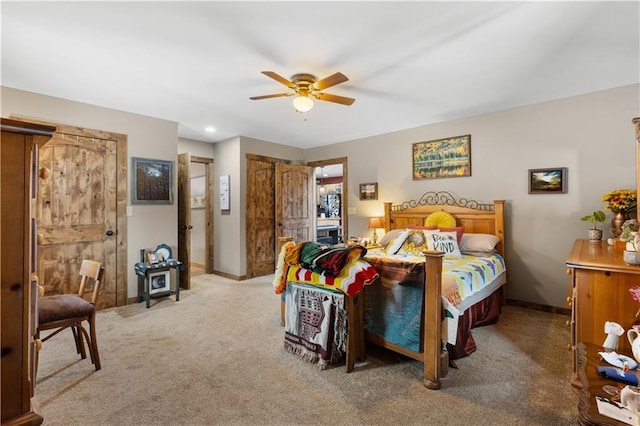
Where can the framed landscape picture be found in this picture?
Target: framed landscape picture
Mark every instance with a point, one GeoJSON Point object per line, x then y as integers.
{"type": "Point", "coordinates": [548, 181]}
{"type": "Point", "coordinates": [441, 158]}
{"type": "Point", "coordinates": [369, 191]}
{"type": "Point", "coordinates": [151, 181]}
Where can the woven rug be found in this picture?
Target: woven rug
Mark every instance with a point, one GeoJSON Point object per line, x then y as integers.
{"type": "Point", "coordinates": [315, 324]}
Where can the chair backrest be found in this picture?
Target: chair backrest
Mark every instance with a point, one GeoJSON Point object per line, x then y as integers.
{"type": "Point", "coordinates": [94, 270]}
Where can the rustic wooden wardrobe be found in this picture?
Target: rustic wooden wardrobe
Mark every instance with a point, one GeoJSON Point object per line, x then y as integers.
{"type": "Point", "coordinates": [18, 244]}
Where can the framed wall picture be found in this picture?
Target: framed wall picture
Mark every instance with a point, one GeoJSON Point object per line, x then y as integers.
{"type": "Point", "coordinates": [151, 181]}
{"type": "Point", "coordinates": [548, 181]}
{"type": "Point", "coordinates": [441, 158]}
{"type": "Point", "coordinates": [369, 191]}
{"type": "Point", "coordinates": [197, 192]}
{"type": "Point", "coordinates": [224, 192]}
{"type": "Point", "coordinates": [159, 282]}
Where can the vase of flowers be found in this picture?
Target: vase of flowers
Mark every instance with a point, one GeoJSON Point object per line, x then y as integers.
{"type": "Point", "coordinates": [621, 202]}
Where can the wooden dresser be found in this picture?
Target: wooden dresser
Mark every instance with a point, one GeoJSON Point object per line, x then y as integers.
{"type": "Point", "coordinates": [18, 246]}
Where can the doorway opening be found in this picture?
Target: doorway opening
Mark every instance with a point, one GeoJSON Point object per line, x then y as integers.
{"type": "Point", "coordinates": [331, 200]}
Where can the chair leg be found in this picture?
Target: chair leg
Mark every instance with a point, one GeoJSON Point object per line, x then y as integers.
{"type": "Point", "coordinates": [93, 345]}
{"type": "Point", "coordinates": [77, 336]}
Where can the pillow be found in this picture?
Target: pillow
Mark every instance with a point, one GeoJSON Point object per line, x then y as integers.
{"type": "Point", "coordinates": [445, 242]}
{"type": "Point", "coordinates": [478, 243]}
{"type": "Point", "coordinates": [415, 242]}
{"type": "Point", "coordinates": [459, 230]}
{"type": "Point", "coordinates": [387, 237]}
{"type": "Point", "coordinates": [396, 243]}
{"type": "Point", "coordinates": [424, 228]}
{"type": "Point", "coordinates": [440, 220]}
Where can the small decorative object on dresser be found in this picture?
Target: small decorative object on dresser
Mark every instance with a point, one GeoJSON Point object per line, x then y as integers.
{"type": "Point", "coordinates": [595, 234]}
{"type": "Point", "coordinates": [629, 235]}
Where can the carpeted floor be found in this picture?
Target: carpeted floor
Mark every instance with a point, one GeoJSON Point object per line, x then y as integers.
{"type": "Point", "coordinates": [216, 357]}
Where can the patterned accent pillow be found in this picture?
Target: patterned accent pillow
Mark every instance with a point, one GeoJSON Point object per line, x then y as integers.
{"type": "Point", "coordinates": [415, 242]}
{"type": "Point", "coordinates": [445, 242]}
{"type": "Point", "coordinates": [396, 243]}
{"type": "Point", "coordinates": [440, 219]}
{"type": "Point", "coordinates": [388, 237]}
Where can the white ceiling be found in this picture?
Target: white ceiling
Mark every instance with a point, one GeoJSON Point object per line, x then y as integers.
{"type": "Point", "coordinates": [409, 63]}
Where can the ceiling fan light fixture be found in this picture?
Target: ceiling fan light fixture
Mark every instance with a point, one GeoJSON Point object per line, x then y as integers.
{"type": "Point", "coordinates": [302, 103]}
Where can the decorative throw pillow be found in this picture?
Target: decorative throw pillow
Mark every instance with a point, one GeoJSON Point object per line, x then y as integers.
{"type": "Point", "coordinates": [459, 230]}
{"type": "Point", "coordinates": [479, 243]}
{"type": "Point", "coordinates": [415, 242]}
{"type": "Point", "coordinates": [389, 236]}
{"type": "Point", "coordinates": [396, 243]}
{"type": "Point", "coordinates": [440, 220]}
{"type": "Point", "coordinates": [445, 242]}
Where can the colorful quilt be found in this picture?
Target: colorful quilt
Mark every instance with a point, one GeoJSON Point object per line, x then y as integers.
{"type": "Point", "coordinates": [394, 304]}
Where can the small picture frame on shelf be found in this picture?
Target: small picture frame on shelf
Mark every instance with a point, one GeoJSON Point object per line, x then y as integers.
{"type": "Point", "coordinates": [152, 257]}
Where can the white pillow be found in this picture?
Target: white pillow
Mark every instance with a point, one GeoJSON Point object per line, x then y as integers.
{"type": "Point", "coordinates": [485, 243]}
{"type": "Point", "coordinates": [388, 237]}
{"type": "Point", "coordinates": [396, 243]}
{"type": "Point", "coordinates": [446, 242]}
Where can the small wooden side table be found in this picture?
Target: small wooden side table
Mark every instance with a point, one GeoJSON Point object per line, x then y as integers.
{"type": "Point", "coordinates": [143, 270]}
{"type": "Point", "coordinates": [590, 384]}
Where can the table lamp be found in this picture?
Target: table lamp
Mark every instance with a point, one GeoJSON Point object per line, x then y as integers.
{"type": "Point", "coordinates": [375, 222]}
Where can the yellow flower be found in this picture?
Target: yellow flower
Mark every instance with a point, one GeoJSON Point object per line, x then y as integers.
{"type": "Point", "coordinates": [620, 200]}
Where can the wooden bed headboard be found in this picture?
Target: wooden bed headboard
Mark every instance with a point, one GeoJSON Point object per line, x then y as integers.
{"type": "Point", "coordinates": [474, 216]}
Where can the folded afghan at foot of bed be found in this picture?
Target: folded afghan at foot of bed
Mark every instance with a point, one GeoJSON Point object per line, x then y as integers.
{"type": "Point", "coordinates": [315, 324]}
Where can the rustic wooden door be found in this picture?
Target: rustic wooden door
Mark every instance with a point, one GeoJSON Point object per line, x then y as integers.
{"type": "Point", "coordinates": [295, 203]}
{"type": "Point", "coordinates": [76, 213]}
{"type": "Point", "coordinates": [260, 216]}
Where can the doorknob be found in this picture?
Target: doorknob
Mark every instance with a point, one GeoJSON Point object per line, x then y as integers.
{"type": "Point", "coordinates": [279, 223]}
{"type": "Point", "coordinates": [186, 227]}
{"type": "Point", "coordinates": [109, 233]}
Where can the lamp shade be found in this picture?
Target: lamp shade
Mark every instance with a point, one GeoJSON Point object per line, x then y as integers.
{"type": "Point", "coordinates": [302, 103]}
{"type": "Point", "coordinates": [375, 222]}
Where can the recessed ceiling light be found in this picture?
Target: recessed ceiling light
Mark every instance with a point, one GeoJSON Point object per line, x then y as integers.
{"type": "Point", "coordinates": [210, 129]}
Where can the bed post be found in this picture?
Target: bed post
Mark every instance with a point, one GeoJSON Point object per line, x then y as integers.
{"type": "Point", "coordinates": [432, 319]}
{"type": "Point", "coordinates": [498, 208]}
{"type": "Point", "coordinates": [387, 217]}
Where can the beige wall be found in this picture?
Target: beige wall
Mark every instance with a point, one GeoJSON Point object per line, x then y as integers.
{"type": "Point", "coordinates": [592, 135]}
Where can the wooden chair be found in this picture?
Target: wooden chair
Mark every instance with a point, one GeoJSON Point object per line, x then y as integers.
{"type": "Point", "coordinates": [63, 311]}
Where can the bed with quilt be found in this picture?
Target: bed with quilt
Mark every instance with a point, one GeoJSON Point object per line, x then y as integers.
{"type": "Point", "coordinates": [442, 272]}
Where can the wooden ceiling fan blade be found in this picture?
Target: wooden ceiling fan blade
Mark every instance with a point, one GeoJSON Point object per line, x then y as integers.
{"type": "Point", "coordinates": [275, 95]}
{"type": "Point", "coordinates": [280, 79]}
{"type": "Point", "coordinates": [334, 98]}
{"type": "Point", "coordinates": [332, 80]}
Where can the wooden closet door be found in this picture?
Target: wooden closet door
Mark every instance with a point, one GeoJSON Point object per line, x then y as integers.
{"type": "Point", "coordinates": [76, 213]}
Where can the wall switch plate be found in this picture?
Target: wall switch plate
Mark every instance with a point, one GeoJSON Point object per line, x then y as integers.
{"type": "Point", "coordinates": [129, 211]}
{"type": "Point", "coordinates": [351, 210]}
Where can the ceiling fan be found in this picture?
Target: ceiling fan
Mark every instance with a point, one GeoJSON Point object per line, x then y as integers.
{"type": "Point", "coordinates": [305, 86]}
